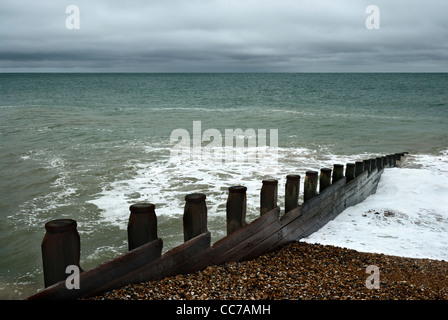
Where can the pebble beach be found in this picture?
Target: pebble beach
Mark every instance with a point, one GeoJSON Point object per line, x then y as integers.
{"type": "Point", "coordinates": [302, 271]}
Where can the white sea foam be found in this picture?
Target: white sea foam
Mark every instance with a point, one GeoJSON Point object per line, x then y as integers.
{"type": "Point", "coordinates": [166, 183]}
{"type": "Point", "coordinates": [407, 216]}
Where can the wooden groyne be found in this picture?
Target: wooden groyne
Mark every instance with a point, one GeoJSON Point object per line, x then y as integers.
{"type": "Point", "coordinates": [244, 241]}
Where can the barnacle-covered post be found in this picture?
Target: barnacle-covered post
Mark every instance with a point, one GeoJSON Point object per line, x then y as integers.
{"type": "Point", "coordinates": [268, 195]}
{"type": "Point", "coordinates": [142, 225]}
{"type": "Point", "coordinates": [236, 208]}
{"type": "Point", "coordinates": [292, 189]}
{"type": "Point", "coordinates": [61, 247]}
{"type": "Point", "coordinates": [195, 215]}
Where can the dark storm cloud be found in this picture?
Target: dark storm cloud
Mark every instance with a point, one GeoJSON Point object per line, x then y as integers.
{"type": "Point", "coordinates": [223, 35]}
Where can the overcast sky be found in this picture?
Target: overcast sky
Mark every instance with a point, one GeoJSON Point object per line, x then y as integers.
{"type": "Point", "coordinates": [224, 36]}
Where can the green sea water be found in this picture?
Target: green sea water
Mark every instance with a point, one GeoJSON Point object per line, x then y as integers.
{"type": "Point", "coordinates": [86, 146]}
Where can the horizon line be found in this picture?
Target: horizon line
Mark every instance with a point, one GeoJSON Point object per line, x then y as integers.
{"type": "Point", "coordinates": [224, 72]}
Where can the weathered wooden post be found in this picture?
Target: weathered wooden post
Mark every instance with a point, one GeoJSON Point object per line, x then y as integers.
{"type": "Point", "coordinates": [268, 195]}
{"type": "Point", "coordinates": [390, 161]}
{"type": "Point", "coordinates": [61, 247]}
{"type": "Point", "coordinates": [236, 208]}
{"type": "Point", "coordinates": [195, 215]}
{"type": "Point", "coordinates": [387, 160]}
{"type": "Point", "coordinates": [367, 165]}
{"type": "Point", "coordinates": [350, 171]}
{"type": "Point", "coordinates": [359, 168]}
{"type": "Point", "coordinates": [142, 225]}
{"type": "Point", "coordinates": [324, 179]}
{"type": "Point", "coordinates": [373, 164]}
{"type": "Point", "coordinates": [292, 189]}
{"type": "Point", "coordinates": [338, 172]}
{"type": "Point", "coordinates": [379, 163]}
{"type": "Point", "coordinates": [394, 160]}
{"type": "Point", "coordinates": [310, 185]}
{"type": "Point", "coordinates": [382, 162]}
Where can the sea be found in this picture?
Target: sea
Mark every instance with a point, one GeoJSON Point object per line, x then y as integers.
{"type": "Point", "coordinates": [86, 146]}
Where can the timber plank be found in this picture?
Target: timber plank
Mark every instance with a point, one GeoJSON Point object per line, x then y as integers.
{"type": "Point", "coordinates": [162, 266]}
{"type": "Point", "coordinates": [227, 247]}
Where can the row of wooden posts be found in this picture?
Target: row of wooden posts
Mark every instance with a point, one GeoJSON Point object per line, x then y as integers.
{"type": "Point", "coordinates": [61, 243]}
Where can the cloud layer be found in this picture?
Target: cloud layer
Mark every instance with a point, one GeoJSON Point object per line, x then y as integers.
{"type": "Point", "coordinates": [223, 36]}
